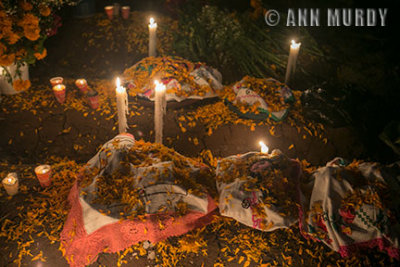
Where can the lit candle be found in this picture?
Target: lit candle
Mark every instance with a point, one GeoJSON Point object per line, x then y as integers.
{"type": "Point", "coordinates": [59, 92]}
{"type": "Point", "coordinates": [159, 110]}
{"type": "Point", "coordinates": [264, 147]}
{"type": "Point", "coordinates": [56, 80]}
{"type": "Point", "coordinates": [291, 66]}
{"type": "Point", "coordinates": [10, 183]}
{"type": "Point", "coordinates": [82, 85]}
{"type": "Point", "coordinates": [122, 107]}
{"type": "Point", "coordinates": [43, 173]}
{"type": "Point", "coordinates": [152, 38]}
{"type": "Point", "coordinates": [93, 99]}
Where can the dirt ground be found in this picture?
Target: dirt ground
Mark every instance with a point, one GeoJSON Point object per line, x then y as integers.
{"type": "Point", "coordinates": [32, 135]}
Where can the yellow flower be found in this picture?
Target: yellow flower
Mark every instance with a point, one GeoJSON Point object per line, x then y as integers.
{"type": "Point", "coordinates": [6, 60]}
{"type": "Point", "coordinates": [42, 55]}
{"type": "Point", "coordinates": [30, 24]}
{"type": "Point", "coordinates": [21, 85]}
{"type": "Point", "coordinates": [44, 10]}
{"type": "Point", "coordinates": [3, 49]}
{"type": "Point", "coordinates": [29, 19]}
{"type": "Point", "coordinates": [25, 5]}
{"type": "Point", "coordinates": [12, 38]}
{"type": "Point", "coordinates": [20, 54]}
{"type": "Point", "coordinates": [32, 33]}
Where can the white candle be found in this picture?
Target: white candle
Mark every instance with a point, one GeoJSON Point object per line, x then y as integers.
{"type": "Point", "coordinates": [152, 38]}
{"type": "Point", "coordinates": [159, 110]}
{"type": "Point", "coordinates": [122, 107]}
{"type": "Point", "coordinates": [10, 183]}
{"type": "Point", "coordinates": [291, 66]}
{"type": "Point", "coordinates": [264, 147]}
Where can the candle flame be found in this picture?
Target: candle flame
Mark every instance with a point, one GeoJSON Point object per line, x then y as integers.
{"type": "Point", "coordinates": [294, 44]}
{"type": "Point", "coordinates": [264, 147]}
{"type": "Point", "coordinates": [118, 82]}
{"type": "Point", "coordinates": [153, 23]}
{"type": "Point", "coordinates": [159, 86]}
{"type": "Point", "coordinates": [9, 180]}
{"type": "Point", "coordinates": [59, 87]}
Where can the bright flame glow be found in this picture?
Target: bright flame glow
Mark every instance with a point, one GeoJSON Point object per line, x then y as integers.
{"type": "Point", "coordinates": [295, 45]}
{"type": "Point", "coordinates": [160, 87]}
{"type": "Point", "coordinates": [153, 23]}
{"type": "Point", "coordinates": [120, 89]}
{"type": "Point", "coordinates": [59, 87]}
{"type": "Point", "coordinates": [264, 147]}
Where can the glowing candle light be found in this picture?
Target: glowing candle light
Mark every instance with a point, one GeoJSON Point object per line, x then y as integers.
{"type": "Point", "coordinates": [59, 92]}
{"type": "Point", "coordinates": [56, 80]}
{"type": "Point", "coordinates": [152, 38]}
{"type": "Point", "coordinates": [43, 173]}
{"type": "Point", "coordinates": [122, 107]}
{"type": "Point", "coordinates": [82, 85]}
{"type": "Point", "coordinates": [291, 66]}
{"type": "Point", "coordinates": [264, 147]}
{"type": "Point", "coordinates": [159, 110]}
{"type": "Point", "coordinates": [10, 183]}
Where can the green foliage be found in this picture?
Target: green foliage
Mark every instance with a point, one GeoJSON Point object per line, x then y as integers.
{"type": "Point", "coordinates": [237, 42]}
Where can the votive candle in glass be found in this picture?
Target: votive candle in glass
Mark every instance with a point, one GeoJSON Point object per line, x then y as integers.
{"type": "Point", "coordinates": [10, 183]}
{"type": "Point", "coordinates": [59, 92]}
{"type": "Point", "coordinates": [43, 173]}
{"type": "Point", "coordinates": [56, 80]}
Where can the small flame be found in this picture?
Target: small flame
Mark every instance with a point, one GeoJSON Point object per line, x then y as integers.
{"type": "Point", "coordinates": [9, 180]}
{"type": "Point", "coordinates": [118, 82]}
{"type": "Point", "coordinates": [159, 86]}
{"type": "Point", "coordinates": [151, 20]}
{"type": "Point", "coordinates": [294, 44]}
{"type": "Point", "coordinates": [264, 147]}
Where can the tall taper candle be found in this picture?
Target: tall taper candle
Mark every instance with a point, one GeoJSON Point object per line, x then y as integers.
{"type": "Point", "coordinates": [152, 38]}
{"type": "Point", "coordinates": [122, 107]}
{"type": "Point", "coordinates": [291, 66]}
{"type": "Point", "coordinates": [159, 110]}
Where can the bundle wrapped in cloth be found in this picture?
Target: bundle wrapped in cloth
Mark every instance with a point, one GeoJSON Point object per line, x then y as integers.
{"type": "Point", "coordinates": [259, 98]}
{"type": "Point", "coordinates": [133, 191]}
{"type": "Point", "coordinates": [182, 78]}
{"type": "Point", "coordinates": [259, 190]}
{"type": "Point", "coordinates": [348, 207]}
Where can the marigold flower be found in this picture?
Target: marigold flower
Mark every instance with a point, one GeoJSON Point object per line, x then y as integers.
{"type": "Point", "coordinates": [13, 38]}
{"type": "Point", "coordinates": [20, 54]}
{"type": "Point", "coordinates": [44, 10]}
{"type": "Point", "coordinates": [42, 55]}
{"type": "Point", "coordinates": [3, 49]}
{"type": "Point", "coordinates": [29, 19]}
{"type": "Point", "coordinates": [32, 33]}
{"type": "Point", "coordinates": [25, 5]}
{"type": "Point", "coordinates": [21, 85]}
{"type": "Point", "coordinates": [6, 60]}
